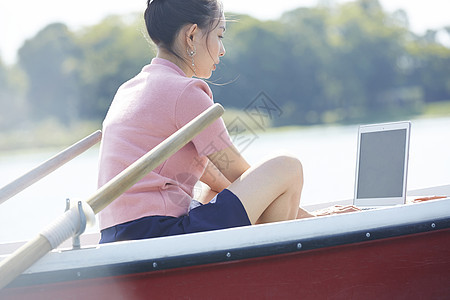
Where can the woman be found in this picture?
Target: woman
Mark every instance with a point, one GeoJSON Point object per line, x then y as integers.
{"type": "Point", "coordinates": [162, 98]}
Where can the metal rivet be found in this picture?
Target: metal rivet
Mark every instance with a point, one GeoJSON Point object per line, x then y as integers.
{"type": "Point", "coordinates": [155, 265]}
{"type": "Point", "coordinates": [228, 254]}
{"type": "Point", "coordinates": [368, 235]}
{"type": "Point", "coordinates": [433, 225]}
{"type": "Point", "coordinates": [299, 246]}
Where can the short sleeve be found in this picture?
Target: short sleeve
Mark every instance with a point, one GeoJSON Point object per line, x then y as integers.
{"type": "Point", "coordinates": [195, 99]}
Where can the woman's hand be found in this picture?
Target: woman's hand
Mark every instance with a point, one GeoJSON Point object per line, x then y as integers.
{"type": "Point", "coordinates": [417, 200]}
{"type": "Point", "coordinates": [206, 195]}
{"type": "Point", "coordinates": [334, 210]}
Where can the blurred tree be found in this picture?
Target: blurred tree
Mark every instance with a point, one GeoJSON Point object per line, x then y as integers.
{"type": "Point", "coordinates": [367, 44]}
{"type": "Point", "coordinates": [53, 85]}
{"type": "Point", "coordinates": [431, 66]}
{"type": "Point", "coordinates": [330, 63]}
{"type": "Point", "coordinates": [310, 62]}
{"type": "Point", "coordinates": [113, 51]}
{"type": "Point", "coordinates": [256, 53]}
{"type": "Point", "coordinates": [322, 64]}
{"type": "Point", "coordinates": [13, 109]}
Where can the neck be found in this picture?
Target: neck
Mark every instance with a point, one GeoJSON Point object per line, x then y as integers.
{"type": "Point", "coordinates": [163, 53]}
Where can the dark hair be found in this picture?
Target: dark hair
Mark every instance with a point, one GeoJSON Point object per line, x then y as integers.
{"type": "Point", "coordinates": [165, 18]}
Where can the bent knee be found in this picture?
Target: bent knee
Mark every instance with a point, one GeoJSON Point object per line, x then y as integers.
{"type": "Point", "coordinates": [289, 165]}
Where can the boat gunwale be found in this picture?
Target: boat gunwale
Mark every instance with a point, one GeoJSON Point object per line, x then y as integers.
{"type": "Point", "coordinates": [132, 260]}
{"type": "Point", "coordinates": [223, 256]}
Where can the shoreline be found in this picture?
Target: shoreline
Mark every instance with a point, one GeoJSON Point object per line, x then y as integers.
{"type": "Point", "coordinates": [51, 136]}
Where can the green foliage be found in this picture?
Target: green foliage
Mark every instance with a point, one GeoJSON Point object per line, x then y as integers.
{"type": "Point", "coordinates": [74, 76]}
{"type": "Point", "coordinates": [327, 64]}
{"type": "Point", "coordinates": [13, 109]}
{"type": "Point", "coordinates": [437, 109]}
{"type": "Point", "coordinates": [49, 133]}
{"type": "Point", "coordinates": [53, 89]}
{"type": "Point", "coordinates": [112, 52]}
{"type": "Point", "coordinates": [431, 65]}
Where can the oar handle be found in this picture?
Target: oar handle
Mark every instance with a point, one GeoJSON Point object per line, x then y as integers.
{"type": "Point", "coordinates": [48, 166]}
{"type": "Point", "coordinates": [35, 249]}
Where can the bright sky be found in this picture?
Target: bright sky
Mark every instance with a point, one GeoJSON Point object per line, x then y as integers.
{"type": "Point", "coordinates": [22, 19]}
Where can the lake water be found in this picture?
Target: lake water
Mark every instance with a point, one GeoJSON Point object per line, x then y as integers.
{"type": "Point", "coordinates": [328, 154]}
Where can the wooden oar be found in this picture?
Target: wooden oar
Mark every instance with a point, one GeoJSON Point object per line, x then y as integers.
{"type": "Point", "coordinates": [66, 225]}
{"type": "Point", "coordinates": [48, 166]}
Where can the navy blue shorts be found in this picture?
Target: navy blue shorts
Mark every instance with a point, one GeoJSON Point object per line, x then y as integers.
{"type": "Point", "coordinates": [226, 211]}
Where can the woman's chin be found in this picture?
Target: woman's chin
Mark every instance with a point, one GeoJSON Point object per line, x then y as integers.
{"type": "Point", "coordinates": [205, 75]}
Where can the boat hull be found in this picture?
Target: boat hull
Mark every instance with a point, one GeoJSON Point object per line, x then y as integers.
{"type": "Point", "coordinates": [413, 266]}
{"type": "Point", "coordinates": [369, 255]}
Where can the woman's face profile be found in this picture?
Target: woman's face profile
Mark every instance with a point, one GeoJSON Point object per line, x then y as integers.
{"type": "Point", "coordinates": [209, 49]}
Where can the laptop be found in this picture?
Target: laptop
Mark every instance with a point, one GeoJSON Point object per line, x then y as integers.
{"type": "Point", "coordinates": [382, 165]}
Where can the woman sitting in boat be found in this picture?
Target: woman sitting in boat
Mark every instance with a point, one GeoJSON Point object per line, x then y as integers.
{"type": "Point", "coordinates": [162, 98]}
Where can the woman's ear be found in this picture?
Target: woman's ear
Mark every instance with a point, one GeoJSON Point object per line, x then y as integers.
{"type": "Point", "coordinates": [191, 33]}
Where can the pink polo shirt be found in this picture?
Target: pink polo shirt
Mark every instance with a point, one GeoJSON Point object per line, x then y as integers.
{"type": "Point", "coordinates": [146, 110]}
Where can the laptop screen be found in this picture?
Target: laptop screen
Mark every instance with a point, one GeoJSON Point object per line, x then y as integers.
{"type": "Point", "coordinates": [382, 164]}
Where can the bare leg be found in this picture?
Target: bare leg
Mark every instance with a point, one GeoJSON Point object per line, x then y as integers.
{"type": "Point", "coordinates": [303, 214]}
{"type": "Point", "coordinates": [271, 191]}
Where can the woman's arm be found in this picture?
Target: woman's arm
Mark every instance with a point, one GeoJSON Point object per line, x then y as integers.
{"type": "Point", "coordinates": [223, 167]}
{"type": "Point", "coordinates": [214, 178]}
{"type": "Point", "coordinates": [230, 163]}
{"type": "Point", "coordinates": [215, 183]}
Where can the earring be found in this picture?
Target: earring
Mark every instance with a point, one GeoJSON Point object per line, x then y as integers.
{"type": "Point", "coordinates": [192, 53]}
